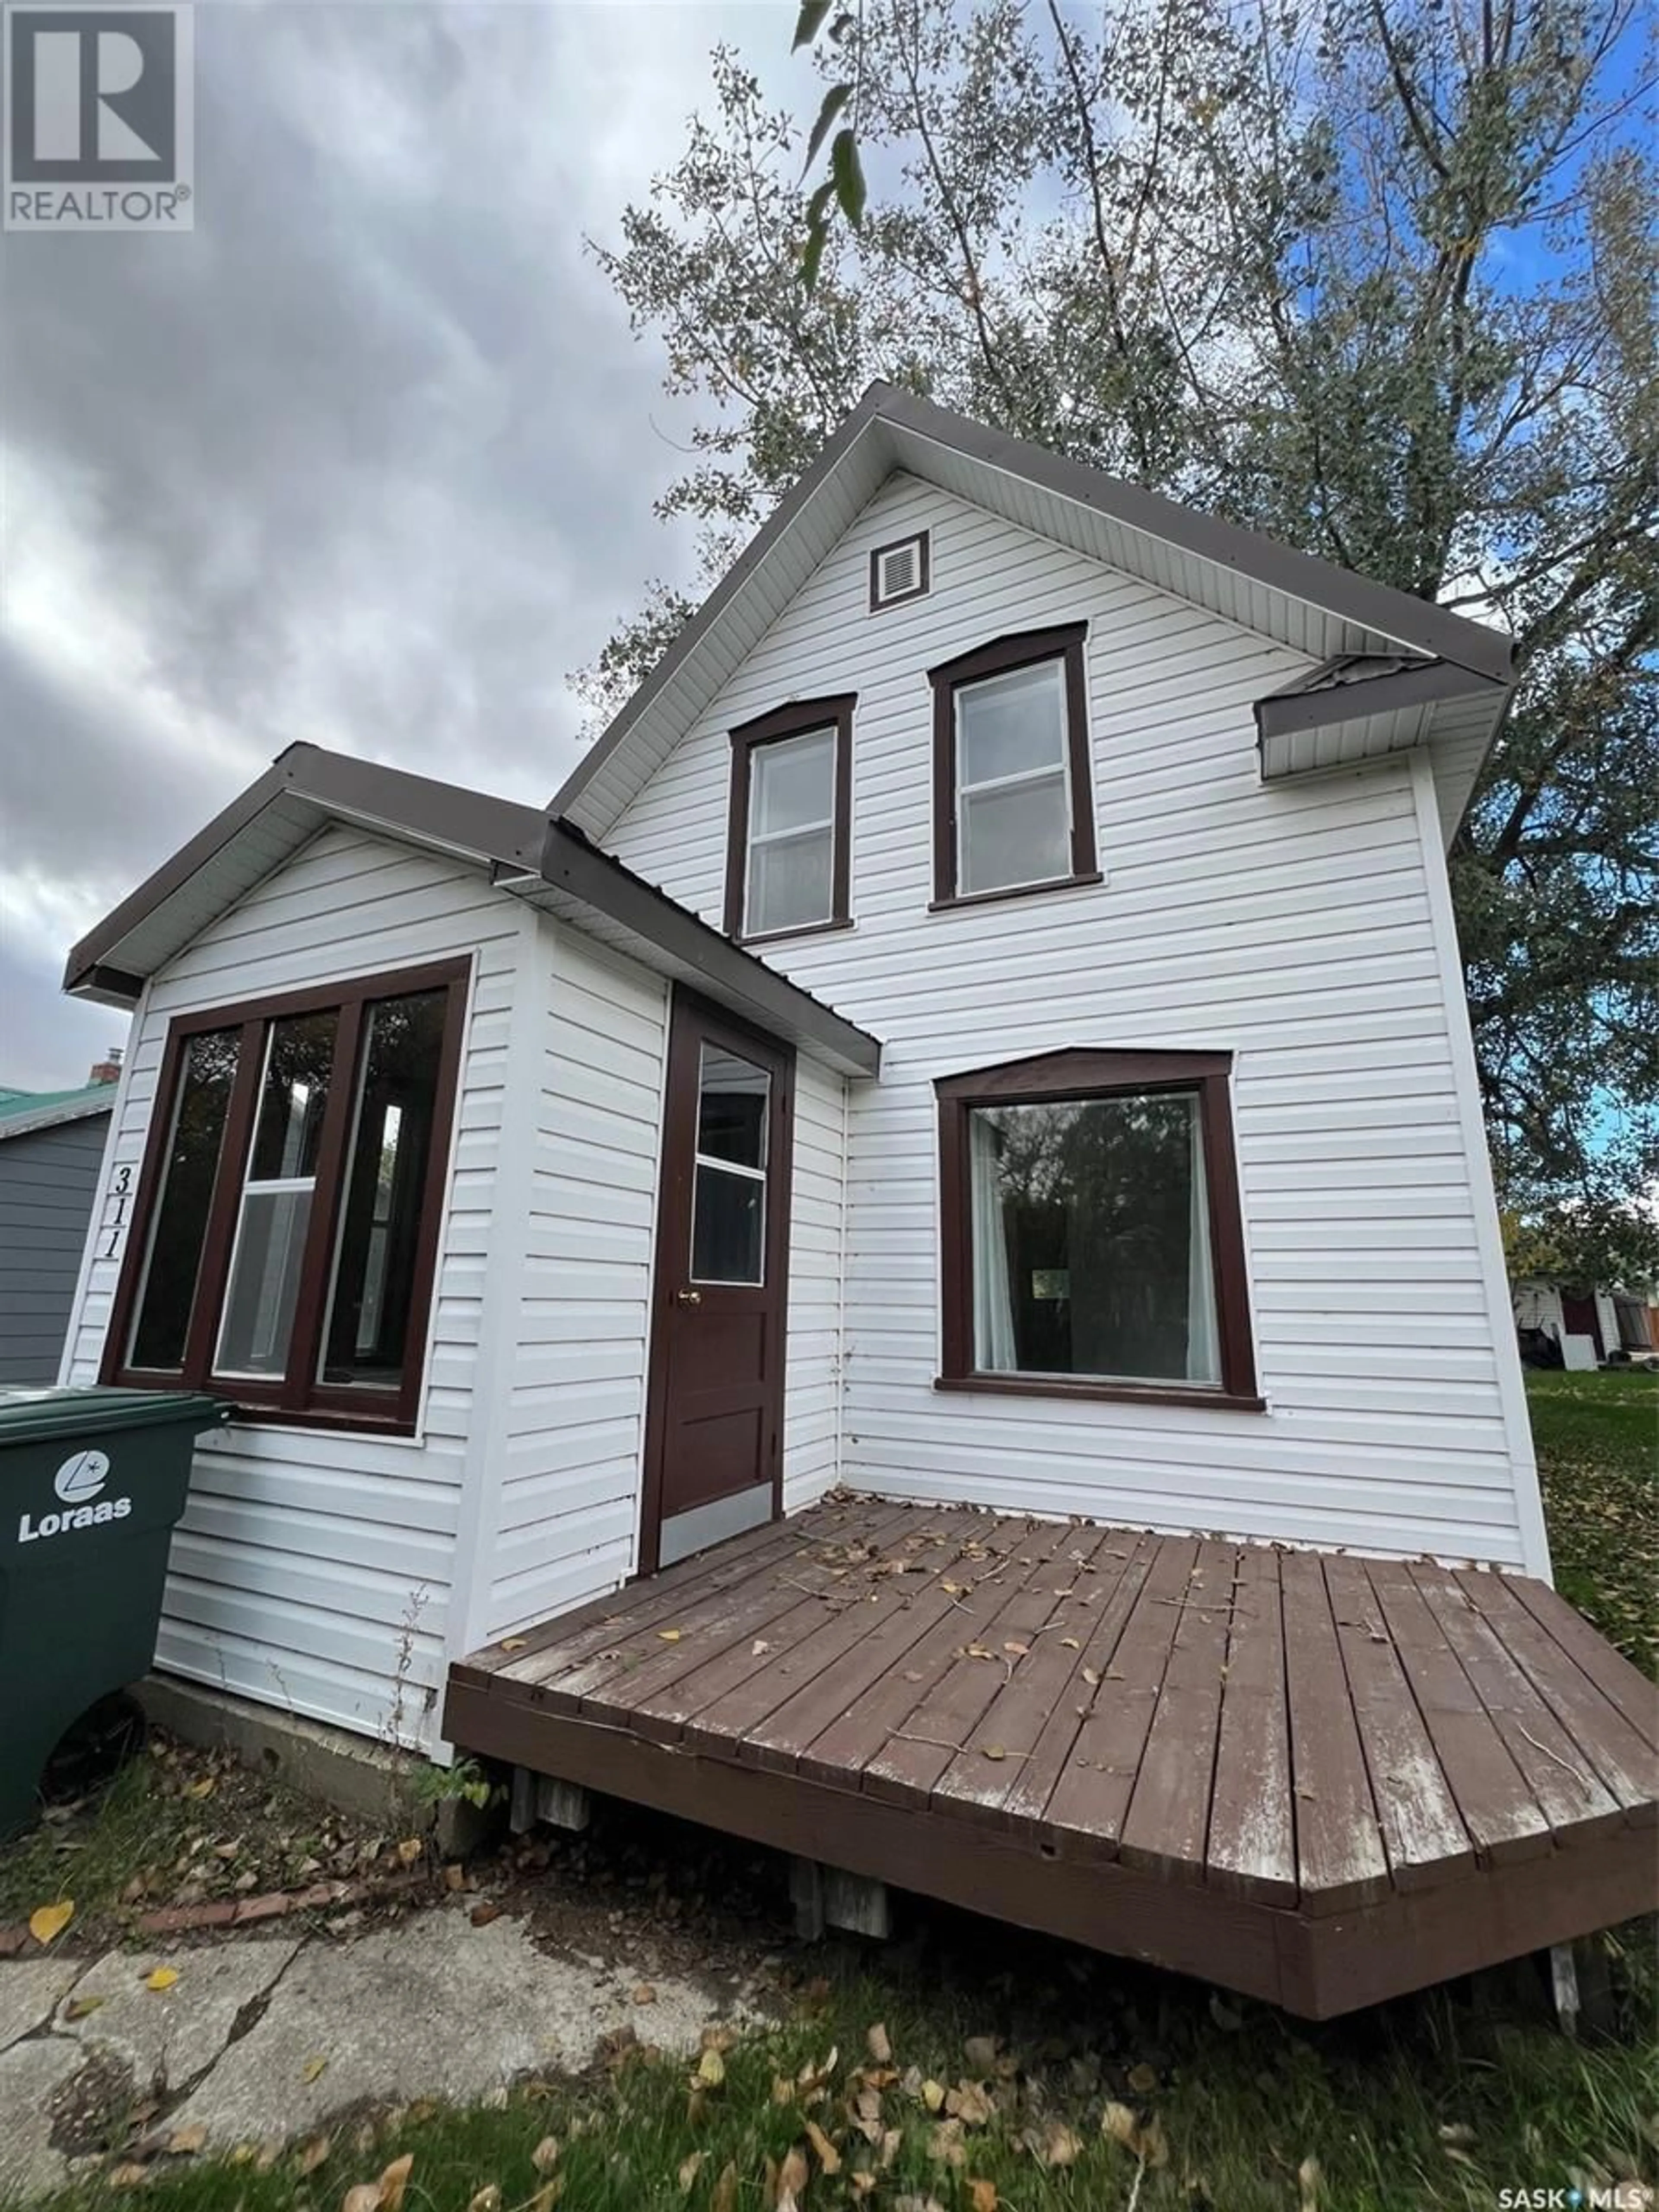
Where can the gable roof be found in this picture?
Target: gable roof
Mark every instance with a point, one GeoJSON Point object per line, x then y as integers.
{"type": "Point", "coordinates": [1302, 602]}
{"type": "Point", "coordinates": [549, 865]}
{"type": "Point", "coordinates": [22, 1112]}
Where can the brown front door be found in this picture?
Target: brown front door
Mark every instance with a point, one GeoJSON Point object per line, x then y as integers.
{"type": "Point", "coordinates": [713, 1430]}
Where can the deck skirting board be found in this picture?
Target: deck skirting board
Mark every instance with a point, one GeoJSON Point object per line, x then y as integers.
{"type": "Point", "coordinates": [1317, 1967]}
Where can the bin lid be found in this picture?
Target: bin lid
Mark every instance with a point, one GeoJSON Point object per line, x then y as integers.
{"type": "Point", "coordinates": [35, 1416]}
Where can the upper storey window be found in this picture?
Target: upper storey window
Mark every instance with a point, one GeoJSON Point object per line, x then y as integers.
{"type": "Point", "coordinates": [1013, 810]}
{"type": "Point", "coordinates": [788, 856]}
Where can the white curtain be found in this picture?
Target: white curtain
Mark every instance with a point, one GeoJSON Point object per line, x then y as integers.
{"type": "Point", "coordinates": [993, 1304]}
{"type": "Point", "coordinates": [1203, 1347]}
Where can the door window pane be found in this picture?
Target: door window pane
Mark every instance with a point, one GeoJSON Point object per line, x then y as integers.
{"type": "Point", "coordinates": [365, 1339]}
{"type": "Point", "coordinates": [791, 859]}
{"type": "Point", "coordinates": [1016, 833]}
{"type": "Point", "coordinates": [731, 1102]}
{"type": "Point", "coordinates": [728, 1199]}
{"type": "Point", "coordinates": [270, 1233]}
{"type": "Point", "coordinates": [1089, 1224]}
{"type": "Point", "coordinates": [174, 1258]}
{"type": "Point", "coordinates": [729, 1226]}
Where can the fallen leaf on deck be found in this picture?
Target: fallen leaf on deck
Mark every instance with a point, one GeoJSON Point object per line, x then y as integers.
{"type": "Point", "coordinates": [161, 1978]}
{"type": "Point", "coordinates": [1067, 1643]}
{"type": "Point", "coordinates": [994, 1751]}
{"type": "Point", "coordinates": [511, 1643]}
{"type": "Point", "coordinates": [1019, 1651]}
{"type": "Point", "coordinates": [877, 2044]}
{"type": "Point", "coordinates": [1091, 1676]}
{"type": "Point", "coordinates": [669, 1635]}
{"type": "Point", "coordinates": [48, 1922]}
{"type": "Point", "coordinates": [314, 2070]}
{"type": "Point", "coordinates": [758, 1646]}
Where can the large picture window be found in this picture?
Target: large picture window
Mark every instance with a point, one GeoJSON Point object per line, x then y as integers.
{"type": "Point", "coordinates": [1013, 806]}
{"type": "Point", "coordinates": [282, 1249]}
{"type": "Point", "coordinates": [1092, 1235]}
{"type": "Point", "coordinates": [788, 845]}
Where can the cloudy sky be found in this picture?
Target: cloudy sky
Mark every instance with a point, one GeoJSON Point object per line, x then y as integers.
{"type": "Point", "coordinates": [367, 458]}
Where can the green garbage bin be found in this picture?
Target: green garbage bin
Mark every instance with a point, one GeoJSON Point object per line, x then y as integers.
{"type": "Point", "coordinates": [91, 1483]}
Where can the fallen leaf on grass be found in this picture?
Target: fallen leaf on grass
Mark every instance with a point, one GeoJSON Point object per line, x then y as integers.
{"type": "Point", "coordinates": [1143, 2080]}
{"type": "Point", "coordinates": [545, 2156]}
{"type": "Point", "coordinates": [932, 2095]}
{"type": "Point", "coordinates": [547, 2196]}
{"type": "Point", "coordinates": [314, 2070]}
{"type": "Point", "coordinates": [980, 2053]}
{"type": "Point", "coordinates": [877, 2043]}
{"type": "Point", "coordinates": [365, 2197]}
{"type": "Point", "coordinates": [793, 2177]}
{"type": "Point", "coordinates": [724, 2198]}
{"type": "Point", "coordinates": [393, 2181]}
{"type": "Point", "coordinates": [1308, 2178]}
{"type": "Point", "coordinates": [314, 2154]}
{"type": "Point", "coordinates": [689, 2169]}
{"type": "Point", "coordinates": [711, 2069]}
{"type": "Point", "coordinates": [982, 2196]}
{"type": "Point", "coordinates": [184, 2142]}
{"type": "Point", "coordinates": [81, 2008]}
{"type": "Point", "coordinates": [946, 2145]}
{"type": "Point", "coordinates": [128, 2176]}
{"type": "Point", "coordinates": [48, 1922]}
{"type": "Point", "coordinates": [161, 1978]}
{"type": "Point", "coordinates": [488, 2199]}
{"type": "Point", "coordinates": [205, 1788]}
{"type": "Point", "coordinates": [968, 2103]}
{"type": "Point", "coordinates": [827, 2156]}
{"type": "Point", "coordinates": [1054, 2145]}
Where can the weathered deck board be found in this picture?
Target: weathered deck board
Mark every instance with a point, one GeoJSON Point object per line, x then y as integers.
{"type": "Point", "coordinates": [1252, 1841]}
{"type": "Point", "coordinates": [1320, 1780]}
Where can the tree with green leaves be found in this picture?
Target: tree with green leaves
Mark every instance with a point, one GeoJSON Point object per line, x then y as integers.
{"type": "Point", "coordinates": [1378, 276]}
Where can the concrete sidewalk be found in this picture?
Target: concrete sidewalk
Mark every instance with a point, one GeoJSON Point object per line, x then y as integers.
{"type": "Point", "coordinates": [261, 2040]}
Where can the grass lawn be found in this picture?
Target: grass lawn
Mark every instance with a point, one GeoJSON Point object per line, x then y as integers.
{"type": "Point", "coordinates": [1025, 2077]}
{"type": "Point", "coordinates": [1598, 1457]}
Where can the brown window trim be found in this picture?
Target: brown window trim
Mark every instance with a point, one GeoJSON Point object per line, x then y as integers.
{"type": "Point", "coordinates": [1078, 1073]}
{"type": "Point", "coordinates": [293, 1399]}
{"type": "Point", "coordinates": [795, 720]}
{"type": "Point", "coordinates": [922, 540]}
{"type": "Point", "coordinates": [1003, 654]}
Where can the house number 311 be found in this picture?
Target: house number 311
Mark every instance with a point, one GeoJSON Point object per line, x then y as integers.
{"type": "Point", "coordinates": [120, 1194]}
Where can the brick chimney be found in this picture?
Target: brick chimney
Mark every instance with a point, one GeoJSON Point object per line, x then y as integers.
{"type": "Point", "coordinates": [107, 1069]}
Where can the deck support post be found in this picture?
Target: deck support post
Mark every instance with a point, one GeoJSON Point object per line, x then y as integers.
{"type": "Point", "coordinates": [829, 1897]}
{"type": "Point", "coordinates": [544, 1797]}
{"type": "Point", "coordinates": [1564, 1985]}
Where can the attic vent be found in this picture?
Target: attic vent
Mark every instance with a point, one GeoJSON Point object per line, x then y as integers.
{"type": "Point", "coordinates": [899, 571]}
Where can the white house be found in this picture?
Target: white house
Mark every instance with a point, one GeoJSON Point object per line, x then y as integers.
{"type": "Point", "coordinates": [983, 1024]}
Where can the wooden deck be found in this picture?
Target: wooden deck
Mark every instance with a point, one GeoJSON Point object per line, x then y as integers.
{"type": "Point", "coordinates": [1320, 1780]}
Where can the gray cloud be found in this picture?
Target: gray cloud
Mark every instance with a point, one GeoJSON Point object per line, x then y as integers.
{"type": "Point", "coordinates": [367, 459]}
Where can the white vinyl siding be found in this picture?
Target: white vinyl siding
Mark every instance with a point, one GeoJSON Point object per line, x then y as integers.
{"type": "Point", "coordinates": [313, 1567]}
{"type": "Point", "coordinates": [1290, 924]}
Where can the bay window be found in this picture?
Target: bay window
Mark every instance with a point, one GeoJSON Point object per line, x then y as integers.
{"type": "Point", "coordinates": [285, 1234]}
{"type": "Point", "coordinates": [1092, 1243]}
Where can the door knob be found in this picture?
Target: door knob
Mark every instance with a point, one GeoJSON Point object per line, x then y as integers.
{"type": "Point", "coordinates": [689, 1297]}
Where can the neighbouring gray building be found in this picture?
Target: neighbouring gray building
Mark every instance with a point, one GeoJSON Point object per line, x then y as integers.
{"type": "Point", "coordinates": [52, 1147]}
